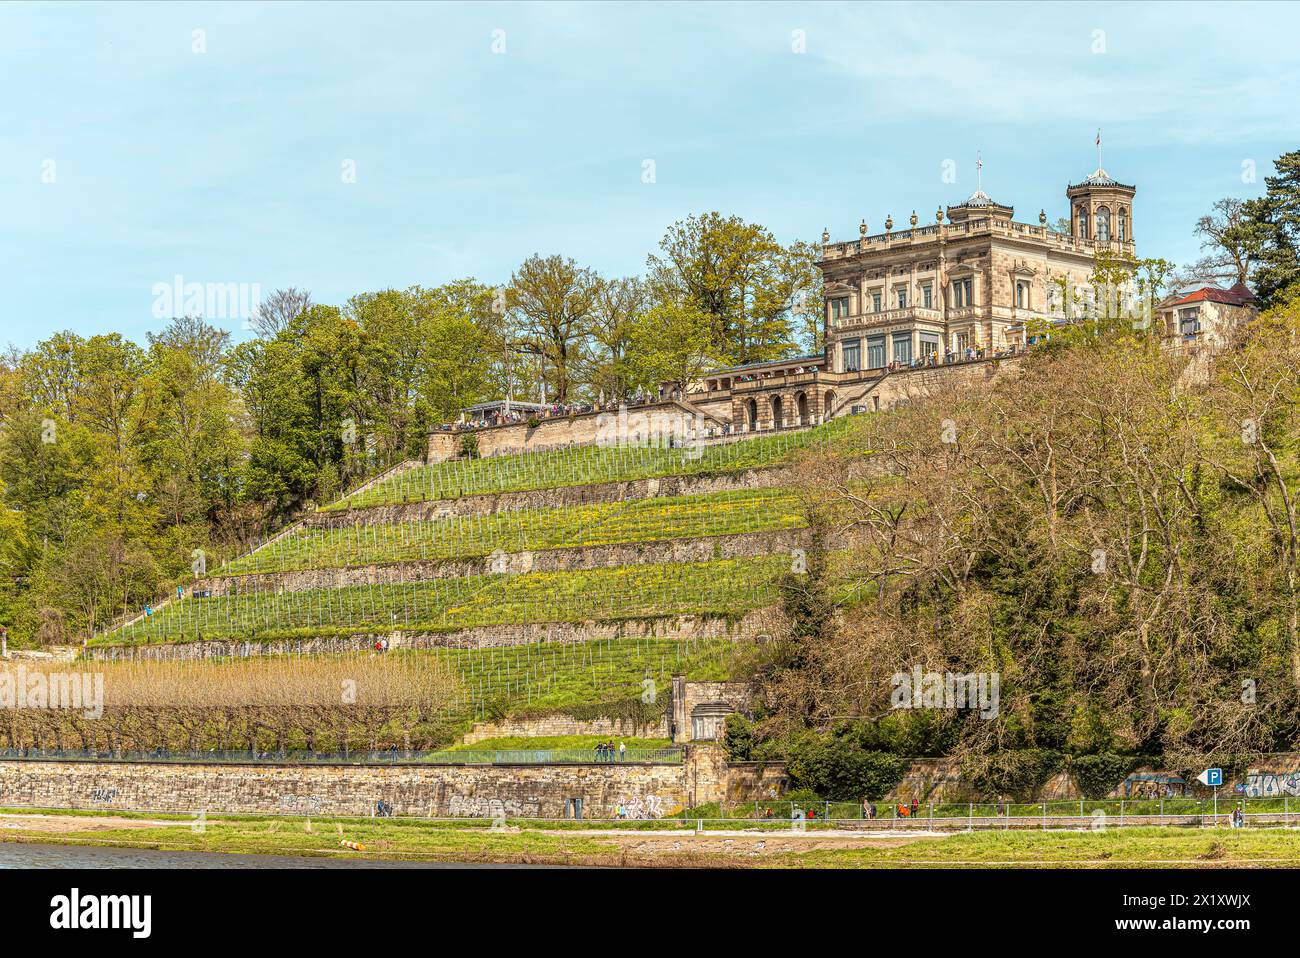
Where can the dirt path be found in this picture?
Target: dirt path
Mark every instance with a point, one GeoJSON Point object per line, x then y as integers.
{"type": "Point", "coordinates": [62, 824]}
{"type": "Point", "coordinates": [753, 843]}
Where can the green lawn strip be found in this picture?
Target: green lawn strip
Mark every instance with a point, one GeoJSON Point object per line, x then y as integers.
{"type": "Point", "coordinates": [585, 465]}
{"type": "Point", "coordinates": [386, 839]}
{"type": "Point", "coordinates": [644, 520]}
{"type": "Point", "coordinates": [1112, 848]}
{"type": "Point", "coordinates": [729, 586]}
{"type": "Point", "coordinates": [580, 842]}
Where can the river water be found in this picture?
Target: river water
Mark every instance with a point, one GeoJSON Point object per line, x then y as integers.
{"type": "Point", "coordinates": [80, 856]}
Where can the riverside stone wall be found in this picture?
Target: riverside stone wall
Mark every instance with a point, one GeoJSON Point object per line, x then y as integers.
{"type": "Point", "coordinates": [423, 790]}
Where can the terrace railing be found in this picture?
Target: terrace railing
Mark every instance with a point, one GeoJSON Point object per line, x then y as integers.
{"type": "Point", "coordinates": [586, 756]}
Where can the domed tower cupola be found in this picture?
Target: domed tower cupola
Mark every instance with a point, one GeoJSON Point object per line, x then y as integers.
{"type": "Point", "coordinates": [1101, 210]}
{"type": "Point", "coordinates": [979, 204]}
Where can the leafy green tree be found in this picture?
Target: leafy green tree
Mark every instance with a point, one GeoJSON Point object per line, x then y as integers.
{"type": "Point", "coordinates": [608, 368]}
{"type": "Point", "coordinates": [553, 300]}
{"type": "Point", "coordinates": [673, 344]}
{"type": "Point", "coordinates": [1276, 215]}
{"type": "Point", "coordinates": [741, 278]}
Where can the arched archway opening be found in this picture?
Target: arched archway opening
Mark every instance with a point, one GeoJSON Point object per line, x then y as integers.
{"type": "Point", "coordinates": [777, 421]}
{"type": "Point", "coordinates": [753, 414]}
{"type": "Point", "coordinates": [801, 406]}
{"type": "Point", "coordinates": [828, 403]}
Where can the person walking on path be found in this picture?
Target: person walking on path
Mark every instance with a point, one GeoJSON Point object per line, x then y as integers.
{"type": "Point", "coordinates": [622, 752]}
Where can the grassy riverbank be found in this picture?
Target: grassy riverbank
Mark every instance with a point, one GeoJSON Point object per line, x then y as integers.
{"type": "Point", "coordinates": [419, 840]}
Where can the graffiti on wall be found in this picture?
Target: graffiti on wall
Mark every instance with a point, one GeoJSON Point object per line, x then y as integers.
{"type": "Point", "coordinates": [300, 803]}
{"type": "Point", "coordinates": [1272, 784]}
{"type": "Point", "coordinates": [494, 808]}
{"type": "Point", "coordinates": [643, 807]}
{"type": "Point", "coordinates": [102, 796]}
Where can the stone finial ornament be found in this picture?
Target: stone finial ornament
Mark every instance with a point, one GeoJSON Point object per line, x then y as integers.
{"type": "Point", "coordinates": [889, 223]}
{"type": "Point", "coordinates": [1042, 217]}
{"type": "Point", "coordinates": [938, 215]}
{"type": "Point", "coordinates": [862, 229]}
{"type": "Point", "coordinates": [914, 219]}
{"type": "Point", "coordinates": [826, 236]}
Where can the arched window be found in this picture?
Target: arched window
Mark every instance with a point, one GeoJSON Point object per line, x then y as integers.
{"type": "Point", "coordinates": [1123, 225]}
{"type": "Point", "coordinates": [753, 414]}
{"type": "Point", "coordinates": [1022, 294]}
{"type": "Point", "coordinates": [777, 420]}
{"type": "Point", "coordinates": [1103, 224]}
{"type": "Point", "coordinates": [1083, 222]}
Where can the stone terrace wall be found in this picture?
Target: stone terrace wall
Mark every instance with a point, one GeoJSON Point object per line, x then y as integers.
{"type": "Point", "coordinates": [557, 497]}
{"type": "Point", "coordinates": [554, 725]}
{"type": "Point", "coordinates": [432, 790]}
{"type": "Point", "coordinates": [703, 549]}
{"type": "Point", "coordinates": [913, 385]}
{"type": "Point", "coordinates": [682, 628]}
{"type": "Point", "coordinates": [638, 424]}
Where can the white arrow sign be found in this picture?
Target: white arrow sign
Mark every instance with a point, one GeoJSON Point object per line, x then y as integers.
{"type": "Point", "coordinates": [1211, 776]}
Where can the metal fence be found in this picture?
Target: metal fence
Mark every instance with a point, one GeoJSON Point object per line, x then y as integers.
{"type": "Point", "coordinates": [656, 756]}
{"type": "Point", "coordinates": [1066, 813]}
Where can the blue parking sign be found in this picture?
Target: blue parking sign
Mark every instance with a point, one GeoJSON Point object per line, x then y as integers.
{"type": "Point", "coordinates": [1211, 776]}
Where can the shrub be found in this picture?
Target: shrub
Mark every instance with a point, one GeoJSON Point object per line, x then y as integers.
{"type": "Point", "coordinates": [840, 770]}
{"type": "Point", "coordinates": [469, 446]}
{"type": "Point", "coordinates": [1018, 773]}
{"type": "Point", "coordinates": [738, 738]}
{"type": "Point", "coordinates": [1097, 775]}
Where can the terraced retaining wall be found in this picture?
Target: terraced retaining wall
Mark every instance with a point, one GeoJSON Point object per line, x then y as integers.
{"type": "Point", "coordinates": [743, 545]}
{"type": "Point", "coordinates": [556, 497]}
{"type": "Point", "coordinates": [750, 627]}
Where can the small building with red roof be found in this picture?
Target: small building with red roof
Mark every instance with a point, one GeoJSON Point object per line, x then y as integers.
{"type": "Point", "coordinates": [1207, 315]}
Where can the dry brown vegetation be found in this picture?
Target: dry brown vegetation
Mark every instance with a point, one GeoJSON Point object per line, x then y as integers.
{"type": "Point", "coordinates": [1113, 531]}
{"type": "Point", "coordinates": [321, 703]}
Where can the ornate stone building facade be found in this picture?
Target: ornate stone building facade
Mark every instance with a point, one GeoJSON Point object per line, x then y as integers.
{"type": "Point", "coordinates": [957, 290]}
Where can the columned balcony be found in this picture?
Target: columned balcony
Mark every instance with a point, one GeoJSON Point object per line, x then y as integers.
{"type": "Point", "coordinates": [887, 317]}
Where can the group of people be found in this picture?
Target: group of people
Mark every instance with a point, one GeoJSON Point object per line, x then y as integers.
{"type": "Point", "coordinates": [499, 417]}
{"type": "Point", "coordinates": [904, 810]}
{"type": "Point", "coordinates": [606, 752]}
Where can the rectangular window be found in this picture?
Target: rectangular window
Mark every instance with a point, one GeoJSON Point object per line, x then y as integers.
{"type": "Point", "coordinates": [875, 302]}
{"type": "Point", "coordinates": [929, 345]}
{"type": "Point", "coordinates": [902, 347]}
{"type": "Point", "coordinates": [961, 293]}
{"type": "Point", "coordinates": [876, 352]}
{"type": "Point", "coordinates": [927, 296]}
{"type": "Point", "coordinates": [1189, 322]}
{"type": "Point", "coordinates": [839, 307]}
{"type": "Point", "coordinates": [852, 355]}
{"type": "Point", "coordinates": [902, 298]}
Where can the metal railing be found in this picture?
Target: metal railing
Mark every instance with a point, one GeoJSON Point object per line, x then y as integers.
{"type": "Point", "coordinates": [656, 756]}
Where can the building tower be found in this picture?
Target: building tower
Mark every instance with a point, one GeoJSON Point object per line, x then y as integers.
{"type": "Point", "coordinates": [1101, 210]}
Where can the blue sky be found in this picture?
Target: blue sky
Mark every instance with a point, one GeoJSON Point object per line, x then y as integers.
{"type": "Point", "coordinates": [226, 166]}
